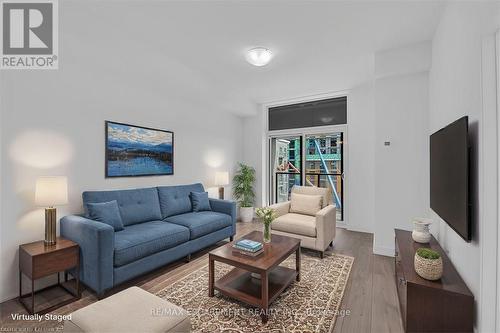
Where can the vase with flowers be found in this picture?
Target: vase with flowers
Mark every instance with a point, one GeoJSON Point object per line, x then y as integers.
{"type": "Point", "coordinates": [267, 215]}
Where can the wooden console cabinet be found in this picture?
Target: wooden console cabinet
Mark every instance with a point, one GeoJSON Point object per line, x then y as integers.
{"type": "Point", "coordinates": [445, 305]}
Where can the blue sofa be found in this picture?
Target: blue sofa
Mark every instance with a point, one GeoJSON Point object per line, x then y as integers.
{"type": "Point", "coordinates": [159, 227]}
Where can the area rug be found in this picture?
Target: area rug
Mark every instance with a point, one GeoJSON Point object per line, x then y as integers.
{"type": "Point", "coordinates": [311, 305]}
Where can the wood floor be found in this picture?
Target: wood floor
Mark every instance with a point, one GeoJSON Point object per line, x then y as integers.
{"type": "Point", "coordinates": [370, 301]}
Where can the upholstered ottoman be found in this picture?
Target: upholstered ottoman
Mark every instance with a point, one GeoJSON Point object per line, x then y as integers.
{"type": "Point", "coordinates": [132, 310]}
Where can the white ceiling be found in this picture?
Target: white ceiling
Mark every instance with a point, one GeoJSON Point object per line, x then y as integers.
{"type": "Point", "coordinates": [196, 48]}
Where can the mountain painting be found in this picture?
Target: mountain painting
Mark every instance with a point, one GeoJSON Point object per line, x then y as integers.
{"type": "Point", "coordinates": [138, 151]}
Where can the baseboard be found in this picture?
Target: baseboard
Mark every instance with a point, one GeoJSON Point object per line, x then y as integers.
{"type": "Point", "coordinates": [341, 225]}
{"type": "Point", "coordinates": [383, 251]}
{"type": "Point", "coordinates": [359, 229]}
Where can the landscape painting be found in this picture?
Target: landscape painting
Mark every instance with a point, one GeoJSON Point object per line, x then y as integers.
{"type": "Point", "coordinates": [133, 151]}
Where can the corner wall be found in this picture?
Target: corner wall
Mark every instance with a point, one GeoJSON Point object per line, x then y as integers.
{"type": "Point", "coordinates": [401, 168]}
{"type": "Point", "coordinates": [457, 87]}
{"type": "Point", "coordinates": [52, 123]}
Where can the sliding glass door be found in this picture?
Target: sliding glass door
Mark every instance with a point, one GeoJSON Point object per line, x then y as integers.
{"type": "Point", "coordinates": [310, 159]}
{"type": "Point", "coordinates": [324, 166]}
{"type": "Point", "coordinates": [286, 166]}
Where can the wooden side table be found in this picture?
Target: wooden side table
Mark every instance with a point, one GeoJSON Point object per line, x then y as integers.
{"type": "Point", "coordinates": [37, 260]}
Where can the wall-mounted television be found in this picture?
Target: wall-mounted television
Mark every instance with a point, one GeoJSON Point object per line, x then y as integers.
{"type": "Point", "coordinates": [450, 176]}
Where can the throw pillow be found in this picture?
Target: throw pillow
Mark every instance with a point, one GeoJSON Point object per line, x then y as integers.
{"type": "Point", "coordinates": [305, 204]}
{"type": "Point", "coordinates": [200, 202]}
{"type": "Point", "coordinates": [106, 212]}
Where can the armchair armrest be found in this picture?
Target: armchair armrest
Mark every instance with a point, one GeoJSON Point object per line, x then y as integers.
{"type": "Point", "coordinates": [96, 241]}
{"type": "Point", "coordinates": [226, 207]}
{"type": "Point", "coordinates": [281, 208]}
{"type": "Point", "coordinates": [326, 222]}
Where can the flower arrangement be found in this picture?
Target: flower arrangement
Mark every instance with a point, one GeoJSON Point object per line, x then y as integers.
{"type": "Point", "coordinates": [267, 215]}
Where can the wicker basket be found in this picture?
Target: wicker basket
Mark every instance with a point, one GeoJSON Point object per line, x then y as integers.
{"type": "Point", "coordinates": [429, 269]}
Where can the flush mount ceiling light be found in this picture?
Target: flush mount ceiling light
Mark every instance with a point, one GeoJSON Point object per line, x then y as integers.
{"type": "Point", "coordinates": [259, 56]}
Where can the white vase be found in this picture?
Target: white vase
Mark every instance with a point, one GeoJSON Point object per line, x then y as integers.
{"type": "Point", "coordinates": [421, 233]}
{"type": "Point", "coordinates": [246, 214]}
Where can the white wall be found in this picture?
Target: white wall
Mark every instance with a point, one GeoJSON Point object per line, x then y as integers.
{"type": "Point", "coordinates": [52, 123]}
{"type": "Point", "coordinates": [254, 147]}
{"type": "Point", "coordinates": [386, 186]}
{"type": "Point", "coordinates": [361, 176]}
{"type": "Point", "coordinates": [456, 89]}
{"type": "Point", "coordinates": [401, 169]}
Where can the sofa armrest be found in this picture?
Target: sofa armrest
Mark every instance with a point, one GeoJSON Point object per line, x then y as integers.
{"type": "Point", "coordinates": [326, 222]}
{"type": "Point", "coordinates": [281, 208]}
{"type": "Point", "coordinates": [226, 207]}
{"type": "Point", "coordinates": [96, 241]}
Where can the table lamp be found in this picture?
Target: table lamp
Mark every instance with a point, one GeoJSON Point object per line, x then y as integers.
{"type": "Point", "coordinates": [221, 180]}
{"type": "Point", "coordinates": [50, 192]}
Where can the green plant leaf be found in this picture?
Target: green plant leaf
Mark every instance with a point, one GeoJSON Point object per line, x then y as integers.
{"type": "Point", "coordinates": [243, 182]}
{"type": "Point", "coordinates": [428, 253]}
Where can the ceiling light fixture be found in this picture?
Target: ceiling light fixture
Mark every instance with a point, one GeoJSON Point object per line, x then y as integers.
{"type": "Point", "coordinates": [259, 56]}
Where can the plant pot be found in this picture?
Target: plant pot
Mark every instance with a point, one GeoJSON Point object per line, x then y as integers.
{"type": "Point", "coordinates": [421, 233]}
{"type": "Point", "coordinates": [246, 214]}
{"type": "Point", "coordinates": [429, 269]}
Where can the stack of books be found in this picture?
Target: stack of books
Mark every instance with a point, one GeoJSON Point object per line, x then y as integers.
{"type": "Point", "coordinates": [248, 247]}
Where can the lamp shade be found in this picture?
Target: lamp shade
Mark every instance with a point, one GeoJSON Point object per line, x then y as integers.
{"type": "Point", "coordinates": [51, 191]}
{"type": "Point", "coordinates": [221, 178]}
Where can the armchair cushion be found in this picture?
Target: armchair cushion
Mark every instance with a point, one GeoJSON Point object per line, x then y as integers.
{"type": "Point", "coordinates": [281, 208]}
{"type": "Point", "coordinates": [306, 204]}
{"type": "Point", "coordinates": [296, 224]}
{"type": "Point", "coordinates": [314, 190]}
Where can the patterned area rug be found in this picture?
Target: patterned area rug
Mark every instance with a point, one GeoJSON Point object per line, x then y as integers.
{"type": "Point", "coordinates": [311, 305]}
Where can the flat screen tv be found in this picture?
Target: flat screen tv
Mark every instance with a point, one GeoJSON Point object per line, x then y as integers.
{"type": "Point", "coordinates": [449, 176]}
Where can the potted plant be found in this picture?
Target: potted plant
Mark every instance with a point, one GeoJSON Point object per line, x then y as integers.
{"type": "Point", "coordinates": [267, 215]}
{"type": "Point", "coordinates": [428, 264]}
{"type": "Point", "coordinates": [243, 191]}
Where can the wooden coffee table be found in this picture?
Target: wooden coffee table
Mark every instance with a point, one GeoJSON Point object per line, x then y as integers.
{"type": "Point", "coordinates": [239, 283]}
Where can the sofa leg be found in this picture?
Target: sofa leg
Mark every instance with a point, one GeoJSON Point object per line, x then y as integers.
{"type": "Point", "coordinates": [322, 254]}
{"type": "Point", "coordinates": [331, 244]}
{"type": "Point", "coordinates": [188, 258]}
{"type": "Point", "coordinates": [231, 238]}
{"type": "Point", "coordinates": [101, 295]}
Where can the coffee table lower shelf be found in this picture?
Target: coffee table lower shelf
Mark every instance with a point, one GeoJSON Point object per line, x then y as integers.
{"type": "Point", "coordinates": [239, 284]}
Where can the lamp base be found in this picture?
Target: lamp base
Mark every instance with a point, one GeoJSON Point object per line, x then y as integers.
{"type": "Point", "coordinates": [50, 226]}
{"type": "Point", "coordinates": [221, 193]}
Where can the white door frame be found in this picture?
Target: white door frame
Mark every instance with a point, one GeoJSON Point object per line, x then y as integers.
{"type": "Point", "coordinates": [489, 231]}
{"type": "Point", "coordinates": [497, 51]}
{"type": "Point", "coordinates": [305, 131]}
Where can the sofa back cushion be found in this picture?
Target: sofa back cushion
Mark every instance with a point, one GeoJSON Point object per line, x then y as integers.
{"type": "Point", "coordinates": [175, 200]}
{"type": "Point", "coordinates": [136, 206]}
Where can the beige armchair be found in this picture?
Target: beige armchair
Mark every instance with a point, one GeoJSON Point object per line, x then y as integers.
{"type": "Point", "coordinates": [308, 216]}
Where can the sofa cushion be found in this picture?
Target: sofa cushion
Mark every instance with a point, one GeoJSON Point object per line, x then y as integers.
{"type": "Point", "coordinates": [136, 206]}
{"type": "Point", "coordinates": [106, 212]}
{"type": "Point", "coordinates": [200, 202]}
{"type": "Point", "coordinates": [141, 240]}
{"type": "Point", "coordinates": [296, 224]}
{"type": "Point", "coordinates": [201, 223]}
{"type": "Point", "coordinates": [305, 204]}
{"type": "Point", "coordinates": [175, 200]}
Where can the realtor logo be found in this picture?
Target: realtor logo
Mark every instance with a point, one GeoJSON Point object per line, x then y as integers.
{"type": "Point", "coordinates": [29, 34]}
